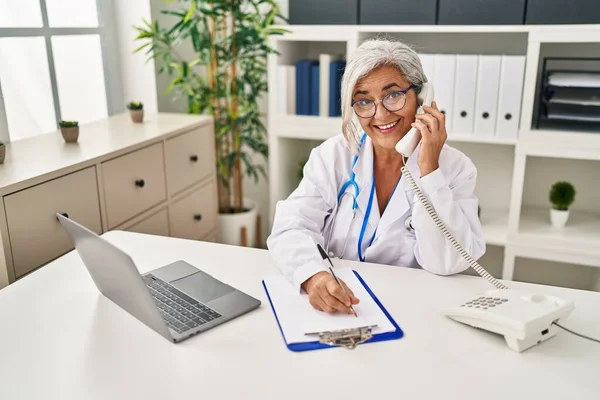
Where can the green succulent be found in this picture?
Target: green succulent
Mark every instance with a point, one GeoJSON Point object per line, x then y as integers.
{"type": "Point", "coordinates": [562, 195]}
{"type": "Point", "coordinates": [300, 172]}
{"type": "Point", "coordinates": [68, 124]}
{"type": "Point", "coordinates": [135, 105]}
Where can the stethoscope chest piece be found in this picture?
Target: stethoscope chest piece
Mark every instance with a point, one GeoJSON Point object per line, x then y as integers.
{"type": "Point", "coordinates": [408, 224]}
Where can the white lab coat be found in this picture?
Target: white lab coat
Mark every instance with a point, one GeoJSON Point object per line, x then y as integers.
{"type": "Point", "coordinates": [305, 216]}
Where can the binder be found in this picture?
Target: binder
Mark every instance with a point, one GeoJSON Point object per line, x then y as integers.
{"type": "Point", "coordinates": [486, 103]}
{"type": "Point", "coordinates": [282, 89]}
{"type": "Point", "coordinates": [512, 73]}
{"type": "Point", "coordinates": [427, 62]}
{"type": "Point", "coordinates": [444, 71]}
{"type": "Point", "coordinates": [464, 94]}
{"type": "Point", "coordinates": [324, 84]}
{"type": "Point", "coordinates": [348, 338]}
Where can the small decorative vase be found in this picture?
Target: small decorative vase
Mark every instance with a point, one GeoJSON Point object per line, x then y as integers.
{"type": "Point", "coordinates": [559, 218]}
{"type": "Point", "coordinates": [137, 116]}
{"type": "Point", "coordinates": [2, 153]}
{"type": "Point", "coordinates": [70, 134]}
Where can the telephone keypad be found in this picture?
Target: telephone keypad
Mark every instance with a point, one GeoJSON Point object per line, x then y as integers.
{"type": "Point", "coordinates": [485, 302]}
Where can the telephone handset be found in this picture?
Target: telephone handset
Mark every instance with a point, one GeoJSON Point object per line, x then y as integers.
{"type": "Point", "coordinates": [409, 142]}
{"type": "Point", "coordinates": [524, 319]}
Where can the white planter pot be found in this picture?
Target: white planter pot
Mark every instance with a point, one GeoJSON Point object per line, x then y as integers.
{"type": "Point", "coordinates": [230, 225]}
{"type": "Point", "coordinates": [559, 218]}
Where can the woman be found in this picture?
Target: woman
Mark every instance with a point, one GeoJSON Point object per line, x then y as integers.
{"type": "Point", "coordinates": [390, 225]}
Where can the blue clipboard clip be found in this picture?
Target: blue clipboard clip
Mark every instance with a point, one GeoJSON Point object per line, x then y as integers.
{"type": "Point", "coordinates": [348, 338]}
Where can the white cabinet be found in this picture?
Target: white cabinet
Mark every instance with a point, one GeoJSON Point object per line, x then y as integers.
{"type": "Point", "coordinates": [158, 177]}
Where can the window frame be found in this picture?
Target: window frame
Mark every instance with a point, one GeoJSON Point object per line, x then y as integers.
{"type": "Point", "coordinates": [106, 30]}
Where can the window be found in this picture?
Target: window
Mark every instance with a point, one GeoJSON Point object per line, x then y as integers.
{"type": "Point", "coordinates": [56, 64]}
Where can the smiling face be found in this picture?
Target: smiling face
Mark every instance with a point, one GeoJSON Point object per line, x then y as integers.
{"type": "Point", "coordinates": [386, 128]}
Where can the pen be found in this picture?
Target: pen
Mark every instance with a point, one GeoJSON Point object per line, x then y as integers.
{"type": "Point", "coordinates": [326, 257]}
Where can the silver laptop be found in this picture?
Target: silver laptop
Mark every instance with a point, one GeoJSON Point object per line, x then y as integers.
{"type": "Point", "coordinates": [177, 300]}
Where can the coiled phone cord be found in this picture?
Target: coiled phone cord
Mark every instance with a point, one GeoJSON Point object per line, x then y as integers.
{"type": "Point", "coordinates": [440, 224]}
{"type": "Point", "coordinates": [472, 263]}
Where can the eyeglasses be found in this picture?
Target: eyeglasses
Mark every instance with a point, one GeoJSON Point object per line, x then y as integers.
{"type": "Point", "coordinates": [393, 101]}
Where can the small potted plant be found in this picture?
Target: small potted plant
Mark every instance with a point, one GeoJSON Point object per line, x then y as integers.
{"type": "Point", "coordinates": [2, 152]}
{"type": "Point", "coordinates": [562, 195]}
{"type": "Point", "coordinates": [300, 170]}
{"type": "Point", "coordinates": [69, 130]}
{"type": "Point", "coordinates": [136, 110]}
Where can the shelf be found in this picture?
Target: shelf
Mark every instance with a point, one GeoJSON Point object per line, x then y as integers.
{"type": "Point", "coordinates": [542, 33]}
{"type": "Point", "coordinates": [560, 143]}
{"type": "Point", "coordinates": [581, 234]}
{"type": "Point", "coordinates": [323, 128]}
{"type": "Point", "coordinates": [482, 139]}
{"type": "Point", "coordinates": [306, 126]}
{"type": "Point", "coordinates": [495, 226]}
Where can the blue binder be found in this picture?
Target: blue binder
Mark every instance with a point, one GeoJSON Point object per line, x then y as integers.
{"type": "Point", "coordinates": [396, 334]}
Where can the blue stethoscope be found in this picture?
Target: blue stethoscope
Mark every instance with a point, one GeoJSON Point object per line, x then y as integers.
{"type": "Point", "coordinates": [343, 191]}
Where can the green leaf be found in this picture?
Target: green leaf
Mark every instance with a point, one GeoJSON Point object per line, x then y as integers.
{"type": "Point", "coordinates": [190, 12]}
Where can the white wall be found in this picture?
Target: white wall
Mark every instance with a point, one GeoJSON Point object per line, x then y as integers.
{"type": "Point", "coordinates": [137, 76]}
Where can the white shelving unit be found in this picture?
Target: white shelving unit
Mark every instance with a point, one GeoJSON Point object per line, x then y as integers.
{"type": "Point", "coordinates": [514, 174]}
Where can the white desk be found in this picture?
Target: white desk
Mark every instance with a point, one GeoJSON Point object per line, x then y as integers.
{"type": "Point", "coordinates": [60, 339]}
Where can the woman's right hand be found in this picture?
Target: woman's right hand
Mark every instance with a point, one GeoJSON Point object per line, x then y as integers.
{"type": "Point", "coordinates": [326, 295]}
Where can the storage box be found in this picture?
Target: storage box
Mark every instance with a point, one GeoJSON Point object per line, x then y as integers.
{"type": "Point", "coordinates": [397, 12]}
{"type": "Point", "coordinates": [563, 12]}
{"type": "Point", "coordinates": [481, 12]}
{"type": "Point", "coordinates": [323, 12]}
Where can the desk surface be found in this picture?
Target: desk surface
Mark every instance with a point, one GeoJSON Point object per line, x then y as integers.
{"type": "Point", "coordinates": [61, 339]}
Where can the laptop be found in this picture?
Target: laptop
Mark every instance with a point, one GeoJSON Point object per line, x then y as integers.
{"type": "Point", "coordinates": [177, 300]}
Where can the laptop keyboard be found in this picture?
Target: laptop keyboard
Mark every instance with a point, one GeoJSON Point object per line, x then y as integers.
{"type": "Point", "coordinates": [180, 311]}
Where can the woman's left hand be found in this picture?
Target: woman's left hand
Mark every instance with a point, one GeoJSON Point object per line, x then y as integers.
{"type": "Point", "coordinates": [432, 125]}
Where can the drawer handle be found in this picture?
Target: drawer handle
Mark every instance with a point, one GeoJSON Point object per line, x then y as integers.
{"type": "Point", "coordinates": [194, 158]}
{"type": "Point", "coordinates": [198, 217]}
{"type": "Point", "coordinates": [64, 215]}
{"type": "Point", "coordinates": [140, 183]}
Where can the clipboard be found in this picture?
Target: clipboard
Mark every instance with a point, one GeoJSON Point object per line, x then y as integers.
{"type": "Point", "coordinates": [348, 338]}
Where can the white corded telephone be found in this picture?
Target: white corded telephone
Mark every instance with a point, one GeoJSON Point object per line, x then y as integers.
{"type": "Point", "coordinates": [524, 319]}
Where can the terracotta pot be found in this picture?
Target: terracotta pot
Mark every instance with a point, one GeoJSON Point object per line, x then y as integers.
{"type": "Point", "coordinates": [137, 116]}
{"type": "Point", "coordinates": [2, 153]}
{"type": "Point", "coordinates": [70, 134]}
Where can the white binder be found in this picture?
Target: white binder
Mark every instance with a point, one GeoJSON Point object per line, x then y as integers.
{"type": "Point", "coordinates": [486, 101]}
{"type": "Point", "coordinates": [465, 87]}
{"type": "Point", "coordinates": [324, 62]}
{"type": "Point", "coordinates": [444, 69]}
{"type": "Point", "coordinates": [512, 72]}
{"type": "Point", "coordinates": [427, 63]}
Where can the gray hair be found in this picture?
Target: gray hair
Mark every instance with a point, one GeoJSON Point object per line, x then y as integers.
{"type": "Point", "coordinates": [370, 55]}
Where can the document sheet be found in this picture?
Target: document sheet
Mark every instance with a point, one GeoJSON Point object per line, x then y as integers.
{"type": "Point", "coordinates": [297, 316]}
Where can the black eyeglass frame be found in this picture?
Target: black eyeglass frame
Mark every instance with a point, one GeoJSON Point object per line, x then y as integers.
{"type": "Point", "coordinates": [403, 91]}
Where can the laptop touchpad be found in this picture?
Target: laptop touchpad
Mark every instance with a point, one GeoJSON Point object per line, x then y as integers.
{"type": "Point", "coordinates": [202, 287]}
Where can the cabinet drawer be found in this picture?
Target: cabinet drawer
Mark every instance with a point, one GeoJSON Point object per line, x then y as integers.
{"type": "Point", "coordinates": [156, 224]}
{"type": "Point", "coordinates": [195, 215]}
{"type": "Point", "coordinates": [481, 12]}
{"type": "Point", "coordinates": [189, 159]}
{"type": "Point", "coordinates": [133, 183]}
{"type": "Point", "coordinates": [397, 12]}
{"type": "Point", "coordinates": [36, 236]}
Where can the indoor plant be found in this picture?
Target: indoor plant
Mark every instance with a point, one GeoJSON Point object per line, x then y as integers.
{"type": "Point", "coordinates": [69, 130]}
{"type": "Point", "coordinates": [562, 195]}
{"type": "Point", "coordinates": [2, 152]}
{"type": "Point", "coordinates": [224, 77]}
{"type": "Point", "coordinates": [136, 111]}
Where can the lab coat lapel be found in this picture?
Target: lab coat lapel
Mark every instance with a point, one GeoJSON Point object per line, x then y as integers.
{"type": "Point", "coordinates": [364, 179]}
{"type": "Point", "coordinates": [398, 205]}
